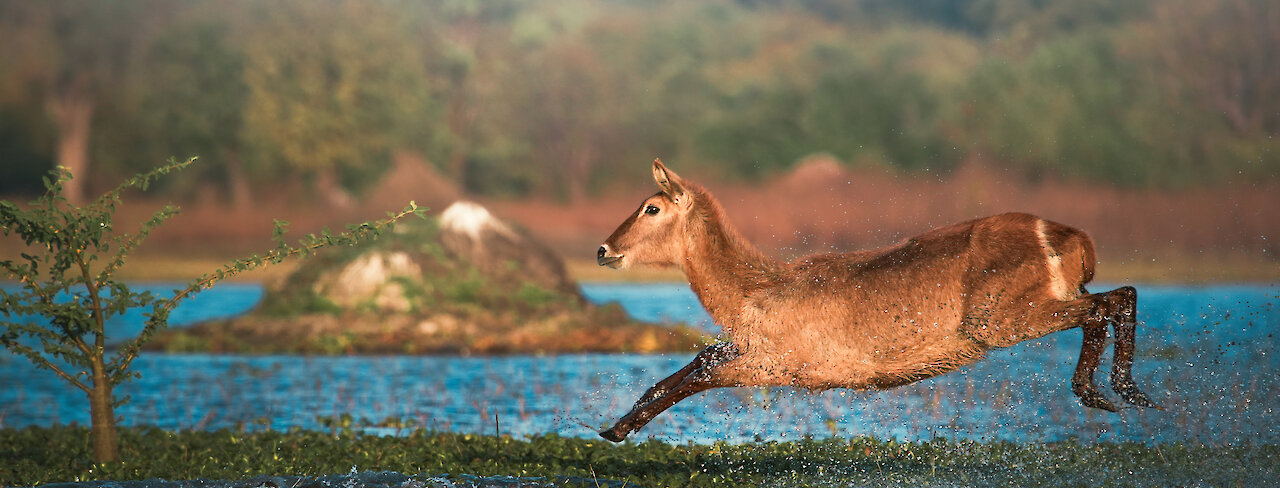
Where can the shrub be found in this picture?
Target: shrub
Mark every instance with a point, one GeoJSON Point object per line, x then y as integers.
{"type": "Point", "coordinates": [67, 278]}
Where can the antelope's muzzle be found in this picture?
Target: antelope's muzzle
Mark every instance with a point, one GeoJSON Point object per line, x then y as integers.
{"type": "Point", "coordinates": [606, 258]}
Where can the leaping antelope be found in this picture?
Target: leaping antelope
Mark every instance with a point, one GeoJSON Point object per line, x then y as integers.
{"type": "Point", "coordinates": [871, 319]}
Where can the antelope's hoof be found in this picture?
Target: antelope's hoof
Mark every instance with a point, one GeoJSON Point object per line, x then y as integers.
{"type": "Point", "coordinates": [612, 435]}
{"type": "Point", "coordinates": [1136, 397]}
{"type": "Point", "coordinates": [1090, 397]}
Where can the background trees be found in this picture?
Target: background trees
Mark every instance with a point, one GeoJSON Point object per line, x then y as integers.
{"type": "Point", "coordinates": [194, 94]}
{"type": "Point", "coordinates": [69, 56]}
{"type": "Point", "coordinates": [498, 95]}
{"type": "Point", "coordinates": [332, 89]}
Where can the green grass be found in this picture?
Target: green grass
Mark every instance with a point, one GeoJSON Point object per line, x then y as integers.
{"type": "Point", "coordinates": [34, 456]}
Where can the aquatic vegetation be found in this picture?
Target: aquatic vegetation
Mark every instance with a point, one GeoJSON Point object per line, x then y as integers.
{"type": "Point", "coordinates": [35, 456]}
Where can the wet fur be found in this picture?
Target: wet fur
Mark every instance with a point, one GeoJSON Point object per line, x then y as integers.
{"type": "Point", "coordinates": [867, 319]}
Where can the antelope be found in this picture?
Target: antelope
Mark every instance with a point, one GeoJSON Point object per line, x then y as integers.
{"type": "Point", "coordinates": [872, 319]}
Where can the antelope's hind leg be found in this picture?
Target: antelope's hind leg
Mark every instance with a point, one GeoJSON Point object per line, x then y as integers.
{"type": "Point", "coordinates": [1124, 318]}
{"type": "Point", "coordinates": [1117, 307]}
{"type": "Point", "coordinates": [695, 377]}
{"type": "Point", "coordinates": [1095, 340]}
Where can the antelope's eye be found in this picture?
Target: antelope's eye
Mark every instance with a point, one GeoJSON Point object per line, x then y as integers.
{"type": "Point", "coordinates": [651, 210]}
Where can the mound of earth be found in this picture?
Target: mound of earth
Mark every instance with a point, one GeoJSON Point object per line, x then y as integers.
{"type": "Point", "coordinates": [463, 283]}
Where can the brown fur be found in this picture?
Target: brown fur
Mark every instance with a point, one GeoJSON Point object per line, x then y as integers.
{"type": "Point", "coordinates": [866, 319]}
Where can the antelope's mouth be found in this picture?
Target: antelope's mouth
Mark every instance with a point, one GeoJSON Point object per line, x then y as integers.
{"type": "Point", "coordinates": [614, 262]}
{"type": "Point", "coordinates": [606, 257]}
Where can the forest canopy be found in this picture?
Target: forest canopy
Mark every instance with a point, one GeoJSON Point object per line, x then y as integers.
{"type": "Point", "coordinates": [559, 98]}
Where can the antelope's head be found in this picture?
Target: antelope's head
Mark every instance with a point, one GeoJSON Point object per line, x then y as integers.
{"type": "Point", "coordinates": [654, 234]}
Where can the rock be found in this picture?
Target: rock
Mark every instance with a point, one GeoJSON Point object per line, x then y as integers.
{"type": "Point", "coordinates": [499, 249]}
{"type": "Point", "coordinates": [369, 280]}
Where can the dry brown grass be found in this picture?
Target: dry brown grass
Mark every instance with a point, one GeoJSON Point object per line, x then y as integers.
{"type": "Point", "coordinates": [1223, 234]}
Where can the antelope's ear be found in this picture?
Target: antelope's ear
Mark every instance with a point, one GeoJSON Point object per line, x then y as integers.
{"type": "Point", "coordinates": [669, 182]}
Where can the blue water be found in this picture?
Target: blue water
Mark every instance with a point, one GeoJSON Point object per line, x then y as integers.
{"type": "Point", "coordinates": [1208, 354]}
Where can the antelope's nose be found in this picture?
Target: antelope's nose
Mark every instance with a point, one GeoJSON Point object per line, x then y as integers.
{"type": "Point", "coordinates": [603, 257]}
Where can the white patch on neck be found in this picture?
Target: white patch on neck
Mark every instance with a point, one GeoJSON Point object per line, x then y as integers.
{"type": "Point", "coordinates": [1057, 282]}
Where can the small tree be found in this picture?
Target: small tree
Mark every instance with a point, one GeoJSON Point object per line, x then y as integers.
{"type": "Point", "coordinates": [68, 279]}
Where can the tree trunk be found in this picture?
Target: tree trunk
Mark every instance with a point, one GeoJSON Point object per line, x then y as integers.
{"type": "Point", "coordinates": [578, 172]}
{"type": "Point", "coordinates": [72, 111]}
{"type": "Point", "coordinates": [106, 445]}
{"type": "Point", "coordinates": [330, 190]}
{"type": "Point", "coordinates": [238, 189]}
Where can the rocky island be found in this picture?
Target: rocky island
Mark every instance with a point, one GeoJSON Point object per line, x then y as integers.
{"type": "Point", "coordinates": [465, 282]}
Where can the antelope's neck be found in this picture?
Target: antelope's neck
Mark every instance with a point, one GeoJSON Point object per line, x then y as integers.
{"type": "Point", "coordinates": [724, 269]}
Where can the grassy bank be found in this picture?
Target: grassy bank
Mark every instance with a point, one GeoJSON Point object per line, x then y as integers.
{"type": "Point", "coordinates": [36, 456]}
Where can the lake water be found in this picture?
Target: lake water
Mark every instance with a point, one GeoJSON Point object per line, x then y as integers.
{"type": "Point", "coordinates": [1208, 354]}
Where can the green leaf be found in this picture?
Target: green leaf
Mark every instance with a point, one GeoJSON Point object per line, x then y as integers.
{"type": "Point", "coordinates": [66, 238]}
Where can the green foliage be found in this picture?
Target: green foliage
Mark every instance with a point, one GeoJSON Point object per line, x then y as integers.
{"type": "Point", "coordinates": [536, 296]}
{"type": "Point", "coordinates": [332, 104]}
{"type": "Point", "coordinates": [869, 103]}
{"type": "Point", "coordinates": [546, 98]}
{"type": "Point", "coordinates": [1066, 110]}
{"type": "Point", "coordinates": [466, 289]}
{"type": "Point", "coordinates": [35, 456]}
{"type": "Point", "coordinates": [68, 243]}
{"type": "Point", "coordinates": [335, 344]}
{"type": "Point", "coordinates": [67, 278]}
{"type": "Point", "coordinates": [195, 107]}
{"type": "Point", "coordinates": [24, 149]}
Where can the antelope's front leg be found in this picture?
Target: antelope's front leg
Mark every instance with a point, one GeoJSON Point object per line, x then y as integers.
{"type": "Point", "coordinates": [695, 377]}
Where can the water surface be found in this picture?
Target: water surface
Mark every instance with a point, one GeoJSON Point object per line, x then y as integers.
{"type": "Point", "coordinates": [1208, 354]}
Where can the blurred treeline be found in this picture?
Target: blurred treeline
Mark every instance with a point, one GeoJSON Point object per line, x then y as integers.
{"type": "Point", "coordinates": [559, 98]}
